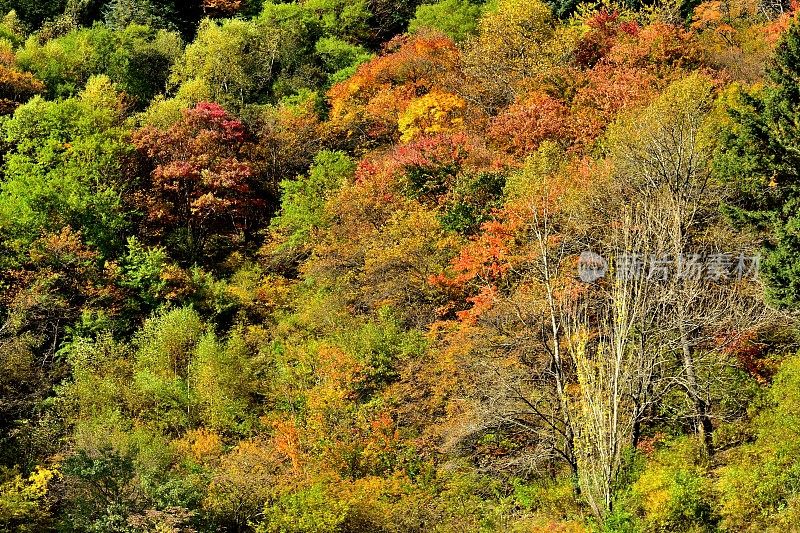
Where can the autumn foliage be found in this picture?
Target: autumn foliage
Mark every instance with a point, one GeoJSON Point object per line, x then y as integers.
{"type": "Point", "coordinates": [202, 181]}
{"type": "Point", "coordinates": [321, 266]}
{"type": "Point", "coordinates": [370, 103]}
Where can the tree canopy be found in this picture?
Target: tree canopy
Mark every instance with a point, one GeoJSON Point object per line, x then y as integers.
{"type": "Point", "coordinates": [399, 266]}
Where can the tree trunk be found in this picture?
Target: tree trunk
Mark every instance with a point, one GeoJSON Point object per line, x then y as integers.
{"type": "Point", "coordinates": [702, 419]}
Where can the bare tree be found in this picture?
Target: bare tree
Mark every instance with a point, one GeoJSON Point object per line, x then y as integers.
{"type": "Point", "coordinates": [661, 160]}
{"type": "Point", "coordinates": [581, 367]}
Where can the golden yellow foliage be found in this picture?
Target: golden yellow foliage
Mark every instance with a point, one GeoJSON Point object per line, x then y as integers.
{"type": "Point", "coordinates": [436, 112]}
{"type": "Point", "coordinates": [21, 497]}
{"type": "Point", "coordinates": [201, 444]}
{"type": "Point", "coordinates": [245, 479]}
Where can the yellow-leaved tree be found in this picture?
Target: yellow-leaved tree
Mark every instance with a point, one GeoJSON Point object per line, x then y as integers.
{"type": "Point", "coordinates": [436, 112]}
{"type": "Point", "coordinates": [22, 499]}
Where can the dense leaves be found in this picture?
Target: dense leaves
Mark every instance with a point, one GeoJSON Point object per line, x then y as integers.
{"type": "Point", "coordinates": [760, 161]}
{"type": "Point", "coordinates": [203, 184]}
{"type": "Point", "coordinates": [398, 266]}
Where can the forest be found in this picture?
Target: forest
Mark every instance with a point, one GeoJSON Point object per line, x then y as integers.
{"type": "Point", "coordinates": [397, 266]}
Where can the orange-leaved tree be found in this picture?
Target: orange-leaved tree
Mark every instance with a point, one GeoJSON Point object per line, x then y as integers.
{"type": "Point", "coordinates": [367, 106]}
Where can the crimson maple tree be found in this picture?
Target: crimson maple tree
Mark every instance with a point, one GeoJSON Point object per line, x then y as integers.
{"type": "Point", "coordinates": [202, 181]}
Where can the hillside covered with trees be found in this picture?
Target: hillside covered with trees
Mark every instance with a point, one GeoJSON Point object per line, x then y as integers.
{"type": "Point", "coordinates": [394, 266]}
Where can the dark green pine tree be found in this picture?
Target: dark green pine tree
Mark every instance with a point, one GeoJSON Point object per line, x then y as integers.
{"type": "Point", "coordinates": [760, 159]}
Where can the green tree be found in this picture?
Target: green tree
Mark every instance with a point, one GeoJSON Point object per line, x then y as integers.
{"type": "Point", "coordinates": [65, 168]}
{"type": "Point", "coordinates": [34, 12]}
{"type": "Point", "coordinates": [760, 486]}
{"type": "Point", "coordinates": [344, 19]}
{"type": "Point", "coordinates": [760, 160]}
{"type": "Point", "coordinates": [136, 58]}
{"type": "Point", "coordinates": [340, 58]}
{"type": "Point", "coordinates": [456, 18]}
{"type": "Point", "coordinates": [219, 383]}
{"type": "Point", "coordinates": [304, 511]}
{"type": "Point", "coordinates": [303, 205]}
{"type": "Point", "coordinates": [165, 348]}
{"type": "Point", "coordinates": [119, 14]}
{"type": "Point", "coordinates": [231, 60]}
{"type": "Point", "coordinates": [237, 62]}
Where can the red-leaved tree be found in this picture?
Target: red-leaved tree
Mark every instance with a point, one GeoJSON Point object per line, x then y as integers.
{"type": "Point", "coordinates": [202, 193]}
